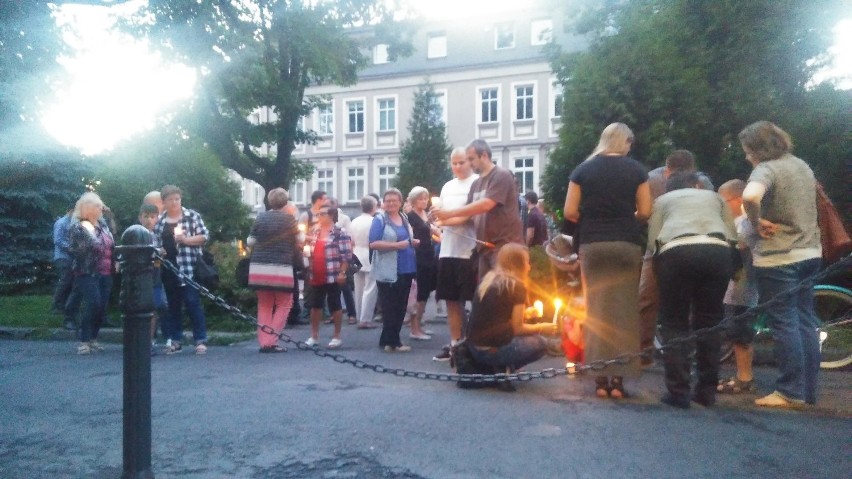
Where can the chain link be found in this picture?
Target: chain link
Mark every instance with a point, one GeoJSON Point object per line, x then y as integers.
{"type": "Point", "coordinates": [521, 376]}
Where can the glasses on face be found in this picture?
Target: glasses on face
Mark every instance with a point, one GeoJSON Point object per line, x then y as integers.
{"type": "Point", "coordinates": [322, 213]}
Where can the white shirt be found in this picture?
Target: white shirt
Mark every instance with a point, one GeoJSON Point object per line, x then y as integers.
{"type": "Point", "coordinates": [359, 230]}
{"type": "Point", "coordinates": [344, 221]}
{"type": "Point", "coordinates": [454, 195]}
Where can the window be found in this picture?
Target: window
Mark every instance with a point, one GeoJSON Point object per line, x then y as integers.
{"type": "Point", "coordinates": [524, 102]}
{"type": "Point", "coordinates": [557, 96]}
{"type": "Point", "coordinates": [325, 117]}
{"type": "Point", "coordinates": [387, 175]}
{"type": "Point", "coordinates": [298, 191]}
{"type": "Point", "coordinates": [488, 105]}
{"type": "Point", "coordinates": [357, 182]}
{"type": "Point", "coordinates": [356, 116]}
{"type": "Point", "coordinates": [380, 54]}
{"type": "Point", "coordinates": [541, 31]}
{"type": "Point", "coordinates": [325, 181]}
{"type": "Point", "coordinates": [437, 46]}
{"type": "Point", "coordinates": [387, 114]}
{"type": "Point", "coordinates": [524, 174]}
{"type": "Point", "coordinates": [441, 101]}
{"type": "Point", "coordinates": [504, 36]}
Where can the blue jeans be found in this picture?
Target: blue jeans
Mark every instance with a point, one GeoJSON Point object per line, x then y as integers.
{"type": "Point", "coordinates": [178, 296]}
{"type": "Point", "coordinates": [794, 327]}
{"type": "Point", "coordinates": [518, 353]}
{"type": "Point", "coordinates": [93, 291]}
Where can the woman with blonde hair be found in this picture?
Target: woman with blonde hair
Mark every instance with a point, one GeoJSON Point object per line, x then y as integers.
{"type": "Point", "coordinates": [91, 252]}
{"type": "Point", "coordinates": [497, 334]}
{"type": "Point", "coordinates": [608, 197]}
{"type": "Point", "coordinates": [427, 262]}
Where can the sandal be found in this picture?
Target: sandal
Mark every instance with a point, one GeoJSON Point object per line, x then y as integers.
{"type": "Point", "coordinates": [735, 385]}
{"type": "Point", "coordinates": [602, 388]}
{"type": "Point", "coordinates": [273, 349]}
{"type": "Point", "coordinates": [616, 388]}
{"type": "Point", "coordinates": [353, 320]}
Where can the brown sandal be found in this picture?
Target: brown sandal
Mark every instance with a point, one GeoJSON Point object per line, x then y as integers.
{"type": "Point", "coordinates": [736, 386]}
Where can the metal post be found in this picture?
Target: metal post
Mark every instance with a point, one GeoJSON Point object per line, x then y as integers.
{"type": "Point", "coordinates": [137, 305]}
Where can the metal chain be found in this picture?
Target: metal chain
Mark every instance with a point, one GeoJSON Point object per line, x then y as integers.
{"type": "Point", "coordinates": [521, 376]}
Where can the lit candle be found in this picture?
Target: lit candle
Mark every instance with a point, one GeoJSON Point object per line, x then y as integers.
{"type": "Point", "coordinates": [436, 202]}
{"type": "Point", "coordinates": [539, 308]}
{"type": "Point", "coordinates": [558, 304]}
{"type": "Point", "coordinates": [178, 230]}
{"type": "Point", "coordinates": [571, 367]}
{"type": "Point", "coordinates": [301, 227]}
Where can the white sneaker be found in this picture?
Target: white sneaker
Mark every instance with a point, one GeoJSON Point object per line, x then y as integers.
{"type": "Point", "coordinates": [312, 342]}
{"type": "Point", "coordinates": [334, 343]}
{"type": "Point", "coordinates": [420, 337]}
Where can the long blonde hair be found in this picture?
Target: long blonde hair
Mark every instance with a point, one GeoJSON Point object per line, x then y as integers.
{"type": "Point", "coordinates": [512, 265]}
{"type": "Point", "coordinates": [615, 138]}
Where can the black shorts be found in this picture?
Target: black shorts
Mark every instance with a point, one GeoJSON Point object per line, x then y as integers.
{"type": "Point", "coordinates": [456, 279]}
{"type": "Point", "coordinates": [330, 290]}
{"type": "Point", "coordinates": [426, 276]}
{"type": "Point", "coordinates": [741, 330]}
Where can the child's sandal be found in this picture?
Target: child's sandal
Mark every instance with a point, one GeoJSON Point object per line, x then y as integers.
{"type": "Point", "coordinates": [602, 388]}
{"type": "Point", "coordinates": [736, 386]}
{"type": "Point", "coordinates": [616, 388]}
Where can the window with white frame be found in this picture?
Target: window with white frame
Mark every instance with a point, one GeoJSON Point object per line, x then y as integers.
{"type": "Point", "coordinates": [325, 119]}
{"type": "Point", "coordinates": [541, 31]}
{"type": "Point", "coordinates": [356, 116]}
{"type": "Point", "coordinates": [524, 171]}
{"type": "Point", "coordinates": [441, 101]}
{"type": "Point", "coordinates": [356, 183]}
{"type": "Point", "coordinates": [557, 95]}
{"type": "Point", "coordinates": [387, 114]}
{"type": "Point", "coordinates": [380, 54]}
{"type": "Point", "coordinates": [387, 175]}
{"type": "Point", "coordinates": [488, 105]}
{"type": "Point", "coordinates": [298, 190]}
{"type": "Point", "coordinates": [437, 45]}
{"type": "Point", "coordinates": [325, 181]}
{"type": "Point", "coordinates": [504, 35]}
{"type": "Point", "coordinates": [524, 102]}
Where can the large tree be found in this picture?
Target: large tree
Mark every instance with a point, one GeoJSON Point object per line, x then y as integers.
{"type": "Point", "coordinates": [686, 74]}
{"type": "Point", "coordinates": [424, 155]}
{"type": "Point", "coordinates": [252, 54]}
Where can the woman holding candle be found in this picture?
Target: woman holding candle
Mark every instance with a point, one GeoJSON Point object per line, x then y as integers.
{"type": "Point", "coordinates": [498, 335]}
{"type": "Point", "coordinates": [181, 232]}
{"type": "Point", "coordinates": [427, 262]}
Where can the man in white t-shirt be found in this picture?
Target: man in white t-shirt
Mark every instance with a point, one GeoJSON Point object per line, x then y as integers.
{"type": "Point", "coordinates": [456, 277]}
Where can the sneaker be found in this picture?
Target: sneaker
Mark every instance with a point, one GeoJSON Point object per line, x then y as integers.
{"type": "Point", "coordinates": [95, 346]}
{"type": "Point", "coordinates": [398, 349]}
{"type": "Point", "coordinates": [420, 337]}
{"type": "Point", "coordinates": [201, 348]}
{"type": "Point", "coordinates": [444, 355]}
{"type": "Point", "coordinates": [84, 349]}
{"type": "Point", "coordinates": [172, 347]}
{"type": "Point", "coordinates": [777, 399]}
{"type": "Point", "coordinates": [312, 342]}
{"type": "Point", "coordinates": [334, 343]}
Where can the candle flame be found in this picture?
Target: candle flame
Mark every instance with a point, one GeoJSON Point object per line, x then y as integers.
{"type": "Point", "coordinates": [539, 308]}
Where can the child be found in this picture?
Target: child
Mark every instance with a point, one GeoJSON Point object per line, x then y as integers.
{"type": "Point", "coordinates": [148, 215]}
{"type": "Point", "coordinates": [740, 296]}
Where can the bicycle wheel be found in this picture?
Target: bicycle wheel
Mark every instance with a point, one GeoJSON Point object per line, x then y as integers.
{"type": "Point", "coordinates": [833, 306]}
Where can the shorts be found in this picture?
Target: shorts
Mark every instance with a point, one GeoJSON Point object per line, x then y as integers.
{"type": "Point", "coordinates": [329, 290]}
{"type": "Point", "coordinates": [426, 278]}
{"type": "Point", "coordinates": [456, 279]}
{"type": "Point", "coordinates": [740, 330]}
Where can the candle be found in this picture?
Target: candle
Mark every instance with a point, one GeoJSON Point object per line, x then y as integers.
{"type": "Point", "coordinates": [436, 202]}
{"type": "Point", "coordinates": [558, 304]}
{"type": "Point", "coordinates": [301, 227]}
{"type": "Point", "coordinates": [571, 367]}
{"type": "Point", "coordinates": [539, 308]}
{"type": "Point", "coordinates": [178, 230]}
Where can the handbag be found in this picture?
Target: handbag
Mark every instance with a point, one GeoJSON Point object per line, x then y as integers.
{"type": "Point", "coordinates": [833, 235]}
{"type": "Point", "coordinates": [241, 273]}
{"type": "Point", "coordinates": [271, 276]}
{"type": "Point", "coordinates": [205, 271]}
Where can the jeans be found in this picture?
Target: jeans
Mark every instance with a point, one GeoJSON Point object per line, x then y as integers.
{"type": "Point", "coordinates": [64, 283]}
{"type": "Point", "coordinates": [348, 298]}
{"type": "Point", "coordinates": [93, 290]}
{"type": "Point", "coordinates": [394, 300]}
{"type": "Point", "coordinates": [521, 351]}
{"type": "Point", "coordinates": [178, 296]}
{"type": "Point", "coordinates": [794, 327]}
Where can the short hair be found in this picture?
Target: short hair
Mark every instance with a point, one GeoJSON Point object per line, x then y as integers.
{"type": "Point", "coordinates": [368, 204]}
{"type": "Point", "coordinates": [458, 151]}
{"type": "Point", "coordinates": [480, 147]}
{"type": "Point", "coordinates": [681, 179]}
{"type": "Point", "coordinates": [680, 160]}
{"type": "Point", "coordinates": [152, 196]}
{"type": "Point", "coordinates": [87, 198]}
{"type": "Point", "coordinates": [376, 197]}
{"type": "Point", "coordinates": [317, 195]}
{"type": "Point", "coordinates": [333, 201]}
{"type": "Point", "coordinates": [393, 191]}
{"type": "Point", "coordinates": [148, 209]}
{"type": "Point", "coordinates": [614, 138]}
{"type": "Point", "coordinates": [277, 198]}
{"type": "Point", "coordinates": [169, 190]}
{"type": "Point", "coordinates": [416, 193]}
{"type": "Point", "coordinates": [765, 140]}
{"type": "Point", "coordinates": [532, 197]}
{"type": "Point", "coordinates": [735, 187]}
{"type": "Point", "coordinates": [332, 212]}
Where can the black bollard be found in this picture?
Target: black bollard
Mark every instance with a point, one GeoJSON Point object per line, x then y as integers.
{"type": "Point", "coordinates": [136, 257]}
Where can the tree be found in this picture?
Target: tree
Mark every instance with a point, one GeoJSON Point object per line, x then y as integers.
{"type": "Point", "coordinates": [265, 53]}
{"type": "Point", "coordinates": [685, 74]}
{"type": "Point", "coordinates": [425, 153]}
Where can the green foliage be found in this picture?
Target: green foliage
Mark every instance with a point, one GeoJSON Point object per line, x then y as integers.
{"type": "Point", "coordinates": [35, 190]}
{"type": "Point", "coordinates": [227, 256]}
{"type": "Point", "coordinates": [130, 172]}
{"type": "Point", "coordinates": [424, 155]}
{"type": "Point", "coordinates": [685, 74]}
{"type": "Point", "coordinates": [265, 53]}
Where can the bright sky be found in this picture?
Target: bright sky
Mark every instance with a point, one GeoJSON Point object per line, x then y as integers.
{"type": "Point", "coordinates": [117, 87]}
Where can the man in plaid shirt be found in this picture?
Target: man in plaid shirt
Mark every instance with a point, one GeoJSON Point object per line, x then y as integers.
{"type": "Point", "coordinates": [181, 233]}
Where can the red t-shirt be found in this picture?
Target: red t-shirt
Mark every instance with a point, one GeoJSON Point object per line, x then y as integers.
{"type": "Point", "coordinates": [318, 266]}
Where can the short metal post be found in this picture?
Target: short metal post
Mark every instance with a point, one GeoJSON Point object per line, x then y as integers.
{"type": "Point", "coordinates": [137, 305]}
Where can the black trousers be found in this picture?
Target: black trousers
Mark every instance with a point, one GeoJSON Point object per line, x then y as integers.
{"type": "Point", "coordinates": [692, 279]}
{"type": "Point", "coordinates": [394, 300]}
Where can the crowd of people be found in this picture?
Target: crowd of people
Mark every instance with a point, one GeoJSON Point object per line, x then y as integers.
{"type": "Point", "coordinates": [702, 255]}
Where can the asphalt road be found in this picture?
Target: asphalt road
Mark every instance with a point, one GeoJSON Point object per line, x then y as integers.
{"type": "Point", "coordinates": [237, 413]}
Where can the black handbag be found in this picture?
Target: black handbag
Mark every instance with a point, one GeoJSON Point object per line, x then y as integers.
{"type": "Point", "coordinates": [241, 274]}
{"type": "Point", "coordinates": [205, 271]}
